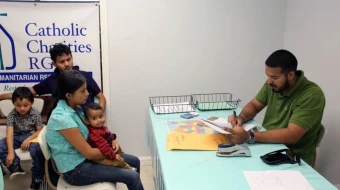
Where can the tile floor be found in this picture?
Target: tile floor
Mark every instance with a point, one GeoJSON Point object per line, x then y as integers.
{"type": "Point", "coordinates": [23, 182]}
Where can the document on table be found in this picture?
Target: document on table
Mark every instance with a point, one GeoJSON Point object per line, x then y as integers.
{"type": "Point", "coordinates": [218, 124]}
{"type": "Point", "coordinates": [277, 179]}
{"type": "Point", "coordinates": [190, 141]}
{"type": "Point", "coordinates": [34, 140]}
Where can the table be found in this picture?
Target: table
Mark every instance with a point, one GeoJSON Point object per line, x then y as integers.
{"type": "Point", "coordinates": [1, 180]}
{"type": "Point", "coordinates": [203, 170]}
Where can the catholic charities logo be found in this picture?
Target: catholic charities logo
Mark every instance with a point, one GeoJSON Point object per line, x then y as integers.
{"type": "Point", "coordinates": [8, 65]}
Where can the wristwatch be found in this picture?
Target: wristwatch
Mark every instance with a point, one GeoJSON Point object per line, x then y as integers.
{"type": "Point", "coordinates": [251, 139]}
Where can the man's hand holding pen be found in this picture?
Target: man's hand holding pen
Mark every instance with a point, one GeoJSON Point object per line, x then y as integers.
{"type": "Point", "coordinates": [238, 134]}
{"type": "Point", "coordinates": [235, 120]}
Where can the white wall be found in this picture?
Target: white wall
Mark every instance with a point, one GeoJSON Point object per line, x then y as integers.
{"type": "Point", "coordinates": [182, 47]}
{"type": "Point", "coordinates": [312, 33]}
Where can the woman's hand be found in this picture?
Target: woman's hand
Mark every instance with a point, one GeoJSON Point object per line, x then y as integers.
{"type": "Point", "coordinates": [25, 145]}
{"type": "Point", "coordinates": [115, 146]}
{"type": "Point", "coordinates": [9, 159]}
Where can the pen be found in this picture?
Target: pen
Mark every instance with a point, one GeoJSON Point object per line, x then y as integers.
{"type": "Point", "coordinates": [235, 117]}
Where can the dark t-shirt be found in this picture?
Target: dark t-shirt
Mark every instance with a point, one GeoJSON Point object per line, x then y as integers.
{"type": "Point", "coordinates": [49, 85]}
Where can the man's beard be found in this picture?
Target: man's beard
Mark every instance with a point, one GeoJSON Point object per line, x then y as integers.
{"type": "Point", "coordinates": [286, 86]}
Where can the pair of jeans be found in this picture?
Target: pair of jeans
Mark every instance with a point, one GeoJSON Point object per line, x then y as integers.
{"type": "Point", "coordinates": [89, 172]}
{"type": "Point", "coordinates": [34, 149]}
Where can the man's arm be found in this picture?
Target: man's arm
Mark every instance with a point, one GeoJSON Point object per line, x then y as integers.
{"type": "Point", "coordinates": [307, 113]}
{"type": "Point", "coordinates": [102, 100]}
{"type": "Point", "coordinates": [5, 96]}
{"type": "Point", "coordinates": [251, 109]}
{"type": "Point", "coordinates": [247, 113]}
{"type": "Point", "coordinates": [8, 96]}
{"type": "Point", "coordinates": [290, 135]}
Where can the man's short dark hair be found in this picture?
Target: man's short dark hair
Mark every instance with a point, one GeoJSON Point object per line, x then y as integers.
{"type": "Point", "coordinates": [21, 93]}
{"type": "Point", "coordinates": [59, 49]}
{"type": "Point", "coordinates": [283, 59]}
{"type": "Point", "coordinates": [92, 106]}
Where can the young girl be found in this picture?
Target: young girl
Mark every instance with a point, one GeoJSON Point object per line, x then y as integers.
{"type": "Point", "coordinates": [67, 135]}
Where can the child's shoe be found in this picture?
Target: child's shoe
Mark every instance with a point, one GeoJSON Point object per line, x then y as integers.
{"type": "Point", "coordinates": [35, 184]}
{"type": "Point", "coordinates": [15, 171]}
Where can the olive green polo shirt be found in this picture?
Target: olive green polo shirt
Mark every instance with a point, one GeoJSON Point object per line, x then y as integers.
{"type": "Point", "coordinates": [303, 105]}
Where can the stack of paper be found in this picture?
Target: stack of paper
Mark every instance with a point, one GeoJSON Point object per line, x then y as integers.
{"type": "Point", "coordinates": [220, 123]}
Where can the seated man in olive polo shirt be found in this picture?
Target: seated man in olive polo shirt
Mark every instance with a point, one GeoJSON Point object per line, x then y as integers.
{"type": "Point", "coordinates": [295, 107]}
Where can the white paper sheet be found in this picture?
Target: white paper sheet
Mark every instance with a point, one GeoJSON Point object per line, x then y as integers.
{"type": "Point", "coordinates": [224, 123]}
{"type": "Point", "coordinates": [219, 123]}
{"type": "Point", "coordinates": [213, 126]}
{"type": "Point", "coordinates": [277, 179]}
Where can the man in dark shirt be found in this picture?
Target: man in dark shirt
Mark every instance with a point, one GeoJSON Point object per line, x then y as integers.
{"type": "Point", "coordinates": [62, 59]}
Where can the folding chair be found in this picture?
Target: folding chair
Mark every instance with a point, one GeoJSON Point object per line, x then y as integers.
{"type": "Point", "coordinates": [62, 184]}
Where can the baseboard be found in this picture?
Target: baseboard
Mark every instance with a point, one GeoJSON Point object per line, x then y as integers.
{"type": "Point", "coordinates": [337, 186]}
{"type": "Point", "coordinates": [145, 160]}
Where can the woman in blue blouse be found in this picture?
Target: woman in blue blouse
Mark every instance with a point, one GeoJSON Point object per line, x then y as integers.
{"type": "Point", "coordinates": [67, 134]}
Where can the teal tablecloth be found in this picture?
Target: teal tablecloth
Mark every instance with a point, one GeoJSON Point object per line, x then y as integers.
{"type": "Point", "coordinates": [196, 170]}
{"type": "Point", "coordinates": [1, 180]}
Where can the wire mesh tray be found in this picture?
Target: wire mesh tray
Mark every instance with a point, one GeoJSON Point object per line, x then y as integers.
{"type": "Point", "coordinates": [171, 104]}
{"type": "Point", "coordinates": [214, 101]}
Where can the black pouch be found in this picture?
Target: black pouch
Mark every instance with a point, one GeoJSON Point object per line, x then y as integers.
{"type": "Point", "coordinates": [284, 156]}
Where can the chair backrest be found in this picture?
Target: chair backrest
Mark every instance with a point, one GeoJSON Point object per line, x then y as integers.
{"type": "Point", "coordinates": [43, 143]}
{"type": "Point", "coordinates": [6, 106]}
{"type": "Point", "coordinates": [322, 133]}
{"type": "Point", "coordinates": [38, 104]}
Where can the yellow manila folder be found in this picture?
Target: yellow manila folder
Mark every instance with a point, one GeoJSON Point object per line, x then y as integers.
{"type": "Point", "coordinates": [190, 141]}
{"type": "Point", "coordinates": [35, 140]}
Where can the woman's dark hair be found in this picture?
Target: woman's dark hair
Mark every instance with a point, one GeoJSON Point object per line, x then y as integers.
{"type": "Point", "coordinates": [92, 106]}
{"type": "Point", "coordinates": [21, 93]}
{"type": "Point", "coordinates": [282, 59]}
{"type": "Point", "coordinates": [68, 82]}
{"type": "Point", "coordinates": [58, 50]}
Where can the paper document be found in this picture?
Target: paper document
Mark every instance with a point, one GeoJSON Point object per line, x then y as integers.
{"type": "Point", "coordinates": [214, 126]}
{"type": "Point", "coordinates": [173, 108]}
{"type": "Point", "coordinates": [277, 179]}
{"type": "Point", "coordinates": [190, 141]}
{"type": "Point", "coordinates": [219, 123]}
{"type": "Point", "coordinates": [35, 140]}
